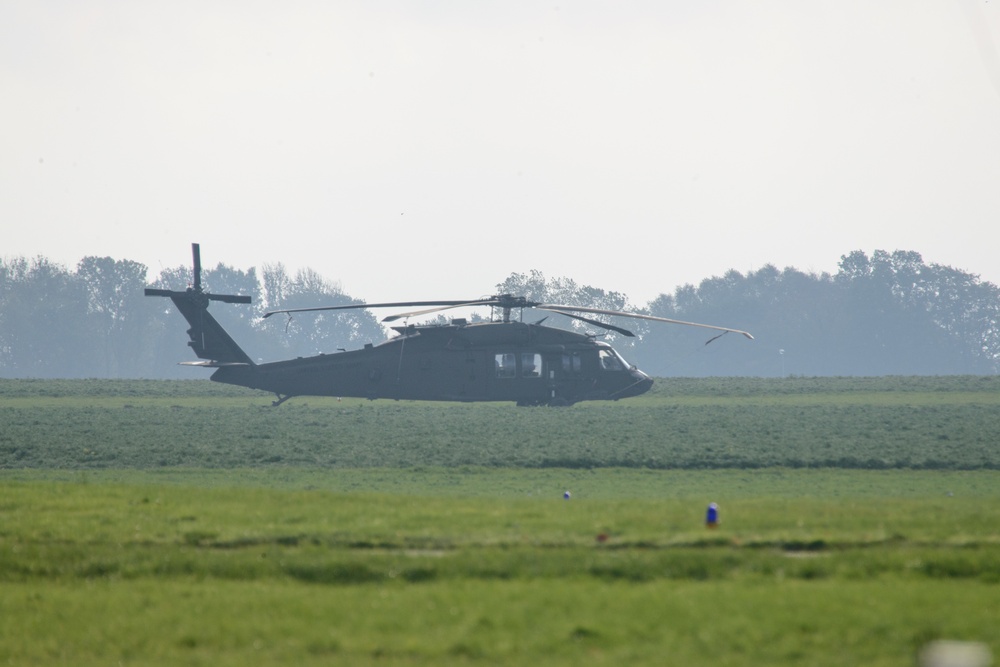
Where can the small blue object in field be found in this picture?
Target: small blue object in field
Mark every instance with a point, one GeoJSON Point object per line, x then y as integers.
{"type": "Point", "coordinates": [712, 515]}
{"type": "Point", "coordinates": [565, 495]}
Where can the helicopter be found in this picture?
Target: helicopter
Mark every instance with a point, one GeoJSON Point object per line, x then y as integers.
{"type": "Point", "coordinates": [502, 359]}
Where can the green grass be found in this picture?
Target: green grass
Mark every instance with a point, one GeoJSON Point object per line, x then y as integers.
{"type": "Point", "coordinates": [185, 523]}
{"type": "Point", "coordinates": [909, 423]}
{"type": "Point", "coordinates": [488, 622]}
{"type": "Point", "coordinates": [485, 566]}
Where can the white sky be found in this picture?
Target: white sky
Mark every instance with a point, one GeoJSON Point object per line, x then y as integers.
{"type": "Point", "coordinates": [427, 149]}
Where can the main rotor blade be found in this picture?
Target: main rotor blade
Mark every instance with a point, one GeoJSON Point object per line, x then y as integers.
{"type": "Point", "coordinates": [588, 320]}
{"type": "Point", "coordinates": [619, 313]}
{"type": "Point", "coordinates": [397, 304]}
{"type": "Point", "coordinates": [416, 313]}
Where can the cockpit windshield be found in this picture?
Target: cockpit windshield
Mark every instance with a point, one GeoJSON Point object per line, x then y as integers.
{"type": "Point", "coordinates": [611, 360]}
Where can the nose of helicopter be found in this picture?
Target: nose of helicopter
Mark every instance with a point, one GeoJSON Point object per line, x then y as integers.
{"type": "Point", "coordinates": [641, 383]}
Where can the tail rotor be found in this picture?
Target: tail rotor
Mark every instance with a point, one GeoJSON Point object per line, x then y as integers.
{"type": "Point", "coordinates": [208, 339]}
{"type": "Point", "coordinates": [195, 291]}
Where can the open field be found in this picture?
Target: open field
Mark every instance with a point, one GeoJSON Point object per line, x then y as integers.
{"type": "Point", "coordinates": [154, 524]}
{"type": "Point", "coordinates": [484, 566]}
{"type": "Point", "coordinates": [875, 423]}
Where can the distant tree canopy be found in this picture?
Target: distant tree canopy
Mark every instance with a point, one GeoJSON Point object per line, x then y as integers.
{"type": "Point", "coordinates": [887, 314]}
{"type": "Point", "coordinates": [307, 334]}
{"type": "Point", "coordinates": [96, 322]}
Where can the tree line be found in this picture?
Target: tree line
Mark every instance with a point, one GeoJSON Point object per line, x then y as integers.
{"type": "Point", "coordinates": [884, 314]}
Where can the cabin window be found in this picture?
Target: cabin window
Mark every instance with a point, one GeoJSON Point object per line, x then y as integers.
{"type": "Point", "coordinates": [571, 363]}
{"type": "Point", "coordinates": [506, 365]}
{"type": "Point", "coordinates": [531, 365]}
{"type": "Point", "coordinates": [610, 361]}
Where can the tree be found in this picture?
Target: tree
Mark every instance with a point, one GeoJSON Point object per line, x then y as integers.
{"type": "Point", "coordinates": [117, 308]}
{"type": "Point", "coordinates": [886, 314]}
{"type": "Point", "coordinates": [46, 331]}
{"type": "Point", "coordinates": [916, 315]}
{"type": "Point", "coordinates": [743, 302]}
{"type": "Point", "coordinates": [307, 334]}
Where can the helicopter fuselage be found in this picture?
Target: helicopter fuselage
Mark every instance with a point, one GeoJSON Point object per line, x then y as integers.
{"type": "Point", "coordinates": [498, 360]}
{"type": "Point", "coordinates": [515, 361]}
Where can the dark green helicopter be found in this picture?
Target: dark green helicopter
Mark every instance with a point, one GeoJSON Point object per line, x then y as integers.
{"type": "Point", "coordinates": [503, 359]}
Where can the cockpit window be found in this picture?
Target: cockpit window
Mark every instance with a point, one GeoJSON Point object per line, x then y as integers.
{"type": "Point", "coordinates": [611, 361]}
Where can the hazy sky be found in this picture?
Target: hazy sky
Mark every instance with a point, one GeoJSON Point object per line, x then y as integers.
{"type": "Point", "coordinates": [426, 150]}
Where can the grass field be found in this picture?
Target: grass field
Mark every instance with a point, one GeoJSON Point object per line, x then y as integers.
{"type": "Point", "coordinates": [915, 423]}
{"type": "Point", "coordinates": [152, 524]}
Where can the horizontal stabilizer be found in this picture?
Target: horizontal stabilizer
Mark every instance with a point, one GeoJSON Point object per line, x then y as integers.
{"type": "Point", "coordinates": [228, 298]}
{"type": "Point", "coordinates": [212, 364]}
{"type": "Point", "coordinates": [225, 298]}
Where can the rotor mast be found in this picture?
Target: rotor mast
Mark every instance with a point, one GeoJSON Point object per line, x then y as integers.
{"type": "Point", "coordinates": [508, 302]}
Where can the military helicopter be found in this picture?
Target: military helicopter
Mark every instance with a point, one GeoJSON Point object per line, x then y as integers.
{"type": "Point", "coordinates": [503, 359]}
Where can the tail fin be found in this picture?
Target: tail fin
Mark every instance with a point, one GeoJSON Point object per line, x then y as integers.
{"type": "Point", "coordinates": [208, 339]}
